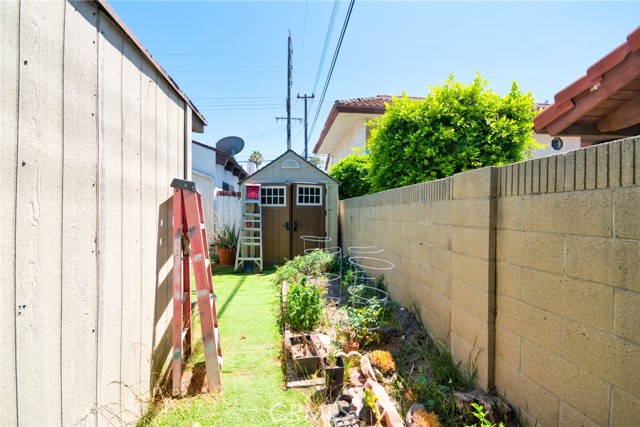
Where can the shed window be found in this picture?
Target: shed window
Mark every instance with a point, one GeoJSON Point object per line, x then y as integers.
{"type": "Point", "coordinates": [273, 196]}
{"type": "Point", "coordinates": [309, 195]}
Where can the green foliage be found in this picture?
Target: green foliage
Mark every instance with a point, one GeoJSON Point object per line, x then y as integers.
{"type": "Point", "coordinates": [353, 174]}
{"type": "Point", "coordinates": [226, 236]}
{"type": "Point", "coordinates": [457, 127]}
{"type": "Point", "coordinates": [314, 264]}
{"type": "Point", "coordinates": [481, 415]}
{"type": "Point", "coordinates": [304, 306]}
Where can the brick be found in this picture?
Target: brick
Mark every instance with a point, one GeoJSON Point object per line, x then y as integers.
{"type": "Point", "coordinates": [528, 177]}
{"type": "Point", "coordinates": [626, 206]}
{"type": "Point", "coordinates": [471, 213]}
{"type": "Point", "coordinates": [432, 300]}
{"type": "Point", "coordinates": [526, 394]}
{"type": "Point", "coordinates": [605, 355]}
{"type": "Point", "coordinates": [409, 231]}
{"type": "Point", "coordinates": [583, 213]}
{"type": "Point", "coordinates": [560, 173]}
{"type": "Point", "coordinates": [637, 161]}
{"type": "Point", "coordinates": [470, 298]}
{"type": "Point", "coordinates": [508, 213]}
{"type": "Point", "coordinates": [627, 315]}
{"type": "Point", "coordinates": [521, 177]}
{"type": "Point", "coordinates": [580, 389]}
{"type": "Point", "coordinates": [509, 280]}
{"type": "Point", "coordinates": [585, 302]}
{"type": "Point", "coordinates": [615, 157]}
{"type": "Point", "coordinates": [469, 327]}
{"type": "Point", "coordinates": [544, 170]}
{"type": "Point", "coordinates": [540, 251]}
{"type": "Point", "coordinates": [471, 270]}
{"type": "Point", "coordinates": [508, 346]}
{"type": "Point", "coordinates": [570, 171]}
{"type": "Point", "coordinates": [535, 176]}
{"type": "Point", "coordinates": [627, 163]}
{"type": "Point", "coordinates": [473, 184]}
{"type": "Point", "coordinates": [612, 262]}
{"type": "Point", "coordinates": [441, 260]}
{"type": "Point", "coordinates": [436, 280]}
{"type": "Point", "coordinates": [591, 169]}
{"type": "Point", "coordinates": [551, 174]}
{"type": "Point", "coordinates": [625, 409]}
{"type": "Point", "coordinates": [530, 322]}
{"type": "Point", "coordinates": [580, 170]}
{"type": "Point", "coordinates": [435, 324]}
{"type": "Point", "coordinates": [441, 212]}
{"type": "Point", "coordinates": [470, 241]}
{"type": "Point", "coordinates": [602, 161]}
{"type": "Point", "coordinates": [471, 355]}
{"type": "Point", "coordinates": [570, 417]}
{"type": "Point", "coordinates": [439, 236]}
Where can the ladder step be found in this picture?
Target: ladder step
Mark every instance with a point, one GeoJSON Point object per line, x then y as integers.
{"type": "Point", "coordinates": [250, 259]}
{"type": "Point", "coordinates": [251, 229]}
{"type": "Point", "coordinates": [251, 244]}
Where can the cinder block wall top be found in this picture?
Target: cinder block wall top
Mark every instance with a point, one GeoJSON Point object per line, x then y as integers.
{"type": "Point", "coordinates": [530, 268]}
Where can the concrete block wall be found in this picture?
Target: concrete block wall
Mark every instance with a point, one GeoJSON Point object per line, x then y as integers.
{"type": "Point", "coordinates": [532, 269]}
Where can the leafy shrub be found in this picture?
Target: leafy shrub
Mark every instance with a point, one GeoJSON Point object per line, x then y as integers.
{"type": "Point", "coordinates": [304, 306]}
{"type": "Point", "coordinates": [455, 128]}
{"type": "Point", "coordinates": [353, 173]}
{"type": "Point", "coordinates": [314, 264]}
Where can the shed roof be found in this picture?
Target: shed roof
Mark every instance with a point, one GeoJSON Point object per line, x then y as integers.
{"type": "Point", "coordinates": [602, 105]}
{"type": "Point", "coordinates": [276, 163]}
{"type": "Point", "coordinates": [198, 122]}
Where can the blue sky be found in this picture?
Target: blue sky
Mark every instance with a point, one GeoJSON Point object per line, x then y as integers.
{"type": "Point", "coordinates": [230, 58]}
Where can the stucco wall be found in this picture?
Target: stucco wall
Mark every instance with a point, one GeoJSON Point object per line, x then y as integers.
{"type": "Point", "coordinates": [552, 247]}
{"type": "Point", "coordinates": [92, 136]}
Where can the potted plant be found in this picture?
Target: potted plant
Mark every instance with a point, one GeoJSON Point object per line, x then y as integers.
{"type": "Point", "coordinates": [304, 354]}
{"type": "Point", "coordinates": [226, 240]}
{"type": "Point", "coordinates": [369, 413]}
{"type": "Point", "coordinates": [333, 372]}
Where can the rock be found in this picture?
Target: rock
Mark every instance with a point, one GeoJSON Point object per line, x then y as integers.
{"type": "Point", "coordinates": [414, 408]}
{"type": "Point", "coordinates": [495, 408]}
{"type": "Point", "coordinates": [386, 407]}
{"type": "Point", "coordinates": [367, 369]}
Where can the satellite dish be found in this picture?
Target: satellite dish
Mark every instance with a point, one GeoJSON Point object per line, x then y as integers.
{"type": "Point", "coordinates": [231, 144]}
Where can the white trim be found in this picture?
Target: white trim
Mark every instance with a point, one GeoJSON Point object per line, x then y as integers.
{"type": "Point", "coordinates": [268, 187]}
{"type": "Point", "coordinates": [309, 196]}
{"type": "Point", "coordinates": [290, 164]}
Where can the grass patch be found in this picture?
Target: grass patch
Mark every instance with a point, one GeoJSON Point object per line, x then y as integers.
{"type": "Point", "coordinates": [252, 381]}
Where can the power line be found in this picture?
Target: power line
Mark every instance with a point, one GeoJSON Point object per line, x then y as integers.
{"type": "Point", "coordinates": [327, 37]}
{"type": "Point", "coordinates": [333, 63]}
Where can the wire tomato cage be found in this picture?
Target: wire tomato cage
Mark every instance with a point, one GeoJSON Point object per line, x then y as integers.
{"type": "Point", "coordinates": [364, 292]}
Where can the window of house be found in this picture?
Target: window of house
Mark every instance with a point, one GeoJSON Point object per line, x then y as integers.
{"type": "Point", "coordinates": [227, 187]}
{"type": "Point", "coordinates": [273, 196]}
{"type": "Point", "coordinates": [309, 195]}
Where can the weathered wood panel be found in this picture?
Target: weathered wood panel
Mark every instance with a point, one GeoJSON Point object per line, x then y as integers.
{"type": "Point", "coordinates": [149, 215]}
{"type": "Point", "coordinates": [110, 45]}
{"type": "Point", "coordinates": [9, 65]}
{"type": "Point", "coordinates": [131, 243]}
{"type": "Point", "coordinates": [79, 216]}
{"type": "Point", "coordinates": [39, 203]}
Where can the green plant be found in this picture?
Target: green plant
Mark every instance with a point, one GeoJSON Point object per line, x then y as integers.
{"type": "Point", "coordinates": [226, 236]}
{"type": "Point", "coordinates": [370, 400]}
{"type": "Point", "coordinates": [383, 360]}
{"type": "Point", "coordinates": [304, 306]}
{"type": "Point", "coordinates": [360, 322]}
{"type": "Point", "coordinates": [353, 173]}
{"type": "Point", "coordinates": [314, 264]}
{"type": "Point", "coordinates": [455, 128]}
{"type": "Point", "coordinates": [481, 415]}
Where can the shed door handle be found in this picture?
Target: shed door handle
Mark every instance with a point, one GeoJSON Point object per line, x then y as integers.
{"type": "Point", "coordinates": [295, 225]}
{"type": "Point", "coordinates": [286, 225]}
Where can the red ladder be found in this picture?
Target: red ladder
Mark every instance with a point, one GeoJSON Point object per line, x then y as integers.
{"type": "Point", "coordinates": [190, 241]}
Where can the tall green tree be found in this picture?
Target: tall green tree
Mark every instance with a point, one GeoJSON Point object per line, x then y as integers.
{"type": "Point", "coordinates": [457, 127]}
{"type": "Point", "coordinates": [256, 158]}
{"type": "Point", "coordinates": [353, 173]}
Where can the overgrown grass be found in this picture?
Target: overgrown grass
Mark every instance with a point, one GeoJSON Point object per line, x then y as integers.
{"type": "Point", "coordinates": [253, 390]}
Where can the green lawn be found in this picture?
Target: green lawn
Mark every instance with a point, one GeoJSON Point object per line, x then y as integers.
{"type": "Point", "coordinates": [252, 380]}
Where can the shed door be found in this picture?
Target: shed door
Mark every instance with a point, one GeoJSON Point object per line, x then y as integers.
{"type": "Point", "coordinates": [307, 215]}
{"type": "Point", "coordinates": [276, 239]}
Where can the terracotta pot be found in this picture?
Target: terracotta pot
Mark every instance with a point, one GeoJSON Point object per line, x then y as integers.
{"type": "Point", "coordinates": [350, 346]}
{"type": "Point", "coordinates": [227, 256]}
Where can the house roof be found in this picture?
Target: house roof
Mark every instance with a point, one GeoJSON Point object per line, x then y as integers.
{"type": "Point", "coordinates": [226, 160]}
{"type": "Point", "coordinates": [602, 105]}
{"type": "Point", "coordinates": [198, 122]}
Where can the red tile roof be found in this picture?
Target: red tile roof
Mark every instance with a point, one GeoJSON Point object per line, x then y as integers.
{"type": "Point", "coordinates": [603, 104]}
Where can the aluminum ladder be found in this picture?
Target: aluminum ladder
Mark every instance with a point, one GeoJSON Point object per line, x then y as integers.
{"type": "Point", "coordinates": [190, 243]}
{"type": "Point", "coordinates": [250, 239]}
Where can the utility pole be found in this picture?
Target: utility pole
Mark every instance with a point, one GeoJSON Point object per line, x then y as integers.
{"type": "Point", "coordinates": [306, 138]}
{"type": "Point", "coordinates": [289, 81]}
